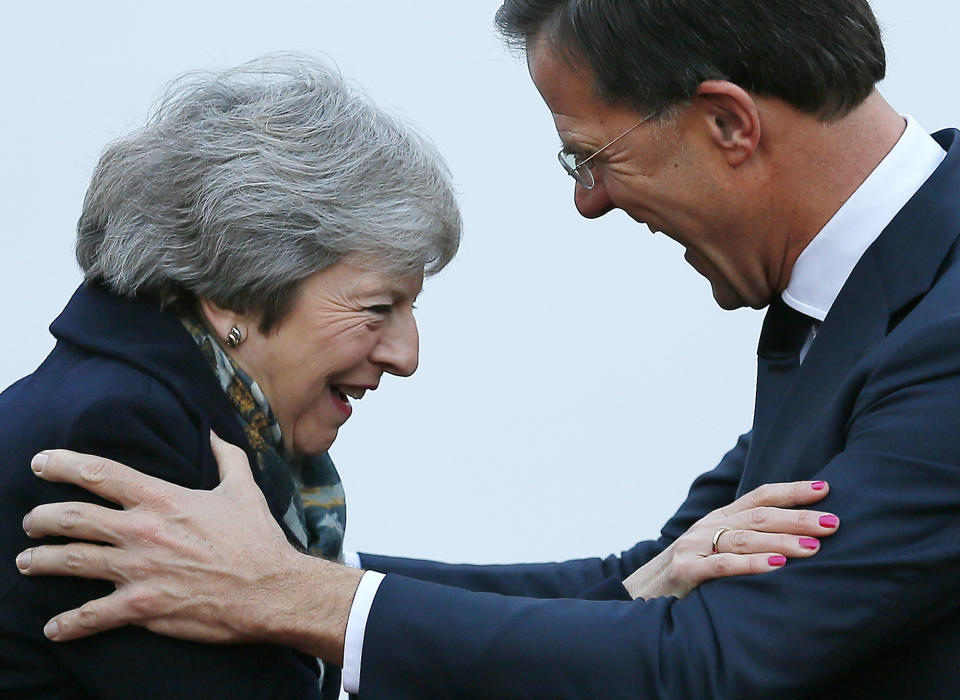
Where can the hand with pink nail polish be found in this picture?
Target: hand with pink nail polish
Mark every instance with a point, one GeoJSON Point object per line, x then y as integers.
{"type": "Point", "coordinates": [755, 534]}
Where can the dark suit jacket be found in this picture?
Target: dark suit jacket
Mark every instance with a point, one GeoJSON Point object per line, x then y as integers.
{"type": "Point", "coordinates": [875, 410]}
{"type": "Point", "coordinates": [126, 382]}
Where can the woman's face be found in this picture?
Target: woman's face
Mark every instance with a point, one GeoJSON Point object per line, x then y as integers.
{"type": "Point", "coordinates": [348, 326]}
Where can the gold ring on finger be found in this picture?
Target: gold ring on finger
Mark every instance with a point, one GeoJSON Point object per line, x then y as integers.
{"type": "Point", "coordinates": [716, 540]}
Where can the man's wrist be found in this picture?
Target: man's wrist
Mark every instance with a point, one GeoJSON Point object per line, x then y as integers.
{"type": "Point", "coordinates": [310, 608]}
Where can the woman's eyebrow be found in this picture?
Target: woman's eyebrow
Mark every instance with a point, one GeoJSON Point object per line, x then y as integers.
{"type": "Point", "coordinates": [387, 289]}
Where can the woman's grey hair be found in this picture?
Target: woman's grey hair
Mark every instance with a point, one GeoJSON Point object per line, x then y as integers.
{"type": "Point", "coordinates": [246, 181]}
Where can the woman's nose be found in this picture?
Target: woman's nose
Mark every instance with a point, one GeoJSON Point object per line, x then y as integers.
{"type": "Point", "coordinates": [593, 202]}
{"type": "Point", "coordinates": [399, 349]}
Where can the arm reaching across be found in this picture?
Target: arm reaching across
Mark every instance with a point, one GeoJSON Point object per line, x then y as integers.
{"type": "Point", "coordinates": [177, 572]}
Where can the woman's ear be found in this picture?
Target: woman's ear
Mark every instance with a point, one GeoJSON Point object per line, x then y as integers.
{"type": "Point", "coordinates": [732, 119]}
{"type": "Point", "coordinates": [229, 326]}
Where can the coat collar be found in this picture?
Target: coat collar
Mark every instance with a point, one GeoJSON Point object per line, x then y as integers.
{"type": "Point", "coordinates": [136, 332]}
{"type": "Point", "coordinates": [900, 266]}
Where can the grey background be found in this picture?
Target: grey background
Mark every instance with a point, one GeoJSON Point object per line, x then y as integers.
{"type": "Point", "coordinates": [575, 376]}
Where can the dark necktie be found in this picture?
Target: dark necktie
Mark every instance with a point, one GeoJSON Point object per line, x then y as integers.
{"type": "Point", "coordinates": [784, 332]}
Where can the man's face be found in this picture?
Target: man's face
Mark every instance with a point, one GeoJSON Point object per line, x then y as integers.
{"type": "Point", "coordinates": [665, 175]}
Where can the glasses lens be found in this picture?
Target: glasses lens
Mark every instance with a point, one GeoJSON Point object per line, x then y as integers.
{"type": "Point", "coordinates": [580, 173]}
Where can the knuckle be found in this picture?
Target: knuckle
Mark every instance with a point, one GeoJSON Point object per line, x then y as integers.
{"type": "Point", "coordinates": [148, 532]}
{"type": "Point", "coordinates": [740, 541]}
{"type": "Point", "coordinates": [752, 499]}
{"type": "Point", "coordinates": [758, 517]}
{"type": "Point", "coordinates": [140, 571]}
{"type": "Point", "coordinates": [757, 564]}
{"type": "Point", "coordinates": [95, 471]}
{"type": "Point", "coordinates": [76, 558]}
{"type": "Point", "coordinates": [788, 543]}
{"type": "Point", "coordinates": [765, 492]}
{"type": "Point", "coordinates": [143, 603]}
{"type": "Point", "coordinates": [69, 516]}
{"type": "Point", "coordinates": [721, 566]}
{"type": "Point", "coordinates": [88, 616]}
{"type": "Point", "coordinates": [161, 500]}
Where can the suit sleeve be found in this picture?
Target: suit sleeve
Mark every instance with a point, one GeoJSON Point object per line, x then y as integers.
{"type": "Point", "coordinates": [592, 578]}
{"type": "Point", "coordinates": [150, 432]}
{"type": "Point", "coordinates": [890, 573]}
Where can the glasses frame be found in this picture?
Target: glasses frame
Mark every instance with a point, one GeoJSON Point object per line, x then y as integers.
{"type": "Point", "coordinates": [583, 173]}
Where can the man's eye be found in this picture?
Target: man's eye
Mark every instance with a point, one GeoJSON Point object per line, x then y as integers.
{"type": "Point", "coordinates": [380, 309]}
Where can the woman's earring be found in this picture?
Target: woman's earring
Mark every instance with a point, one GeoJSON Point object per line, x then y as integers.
{"type": "Point", "coordinates": [234, 337]}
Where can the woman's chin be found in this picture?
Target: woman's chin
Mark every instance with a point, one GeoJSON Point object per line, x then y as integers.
{"type": "Point", "coordinates": [312, 445]}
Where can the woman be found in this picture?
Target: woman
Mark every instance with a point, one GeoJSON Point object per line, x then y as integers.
{"type": "Point", "coordinates": [252, 257]}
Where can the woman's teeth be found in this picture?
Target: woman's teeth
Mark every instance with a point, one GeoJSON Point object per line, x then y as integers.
{"type": "Point", "coordinates": [351, 393]}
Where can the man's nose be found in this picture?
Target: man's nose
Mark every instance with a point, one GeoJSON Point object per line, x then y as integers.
{"type": "Point", "coordinates": [593, 202]}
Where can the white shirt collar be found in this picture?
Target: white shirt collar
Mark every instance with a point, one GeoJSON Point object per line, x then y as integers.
{"type": "Point", "coordinates": [827, 261]}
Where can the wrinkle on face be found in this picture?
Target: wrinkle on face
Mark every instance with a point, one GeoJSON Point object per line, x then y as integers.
{"type": "Point", "coordinates": [334, 335]}
{"type": "Point", "coordinates": [671, 175]}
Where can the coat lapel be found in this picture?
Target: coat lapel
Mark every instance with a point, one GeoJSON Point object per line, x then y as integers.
{"type": "Point", "coordinates": [896, 270]}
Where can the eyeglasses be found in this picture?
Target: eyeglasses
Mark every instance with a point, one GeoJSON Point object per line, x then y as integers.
{"type": "Point", "coordinates": [582, 171]}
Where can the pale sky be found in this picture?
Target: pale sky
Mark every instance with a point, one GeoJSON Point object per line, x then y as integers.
{"type": "Point", "coordinates": [575, 375]}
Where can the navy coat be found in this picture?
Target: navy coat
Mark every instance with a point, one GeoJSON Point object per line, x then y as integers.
{"type": "Point", "coordinates": [126, 382]}
{"type": "Point", "coordinates": [875, 410]}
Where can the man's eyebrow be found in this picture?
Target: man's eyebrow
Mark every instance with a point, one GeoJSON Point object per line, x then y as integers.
{"type": "Point", "coordinates": [573, 148]}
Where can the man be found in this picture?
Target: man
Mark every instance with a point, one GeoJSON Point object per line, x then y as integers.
{"type": "Point", "coordinates": [751, 133]}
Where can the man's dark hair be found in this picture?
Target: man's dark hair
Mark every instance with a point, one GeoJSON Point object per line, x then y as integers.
{"type": "Point", "coordinates": [821, 56]}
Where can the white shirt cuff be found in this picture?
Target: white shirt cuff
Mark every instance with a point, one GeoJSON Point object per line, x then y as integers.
{"type": "Point", "coordinates": [352, 559]}
{"type": "Point", "coordinates": [357, 625]}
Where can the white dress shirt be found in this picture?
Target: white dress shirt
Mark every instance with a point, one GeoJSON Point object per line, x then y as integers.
{"type": "Point", "coordinates": [825, 264]}
{"type": "Point", "coordinates": [818, 275]}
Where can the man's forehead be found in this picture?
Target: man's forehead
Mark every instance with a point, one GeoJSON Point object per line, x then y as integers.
{"type": "Point", "coordinates": [568, 96]}
{"type": "Point", "coordinates": [568, 89]}
{"type": "Point", "coordinates": [557, 75]}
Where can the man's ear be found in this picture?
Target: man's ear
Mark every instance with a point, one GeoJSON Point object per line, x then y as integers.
{"type": "Point", "coordinates": [733, 120]}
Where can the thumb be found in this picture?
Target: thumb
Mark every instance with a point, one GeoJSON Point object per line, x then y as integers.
{"type": "Point", "coordinates": [232, 462]}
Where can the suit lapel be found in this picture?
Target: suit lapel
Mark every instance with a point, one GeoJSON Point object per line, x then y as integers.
{"type": "Point", "coordinates": [847, 334]}
{"type": "Point", "coordinates": [896, 270]}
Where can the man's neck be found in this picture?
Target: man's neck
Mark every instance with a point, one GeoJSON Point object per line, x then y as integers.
{"type": "Point", "coordinates": [819, 166]}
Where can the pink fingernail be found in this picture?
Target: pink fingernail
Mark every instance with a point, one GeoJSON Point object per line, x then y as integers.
{"type": "Point", "coordinates": [777, 560]}
{"type": "Point", "coordinates": [829, 521]}
{"type": "Point", "coordinates": [809, 543]}
{"type": "Point", "coordinates": [36, 464]}
{"type": "Point", "coordinates": [818, 485]}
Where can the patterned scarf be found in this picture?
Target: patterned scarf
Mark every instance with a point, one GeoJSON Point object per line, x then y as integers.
{"type": "Point", "coordinates": [317, 512]}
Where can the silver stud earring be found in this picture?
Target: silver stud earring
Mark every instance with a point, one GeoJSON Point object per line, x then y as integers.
{"type": "Point", "coordinates": [234, 337]}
